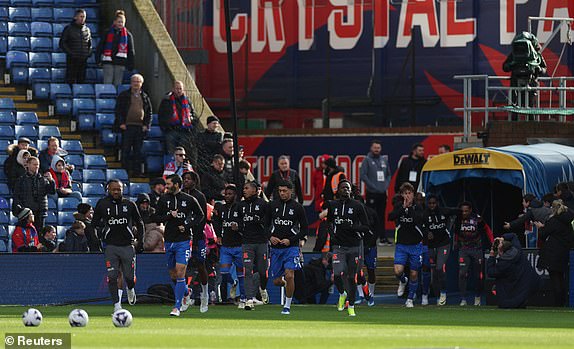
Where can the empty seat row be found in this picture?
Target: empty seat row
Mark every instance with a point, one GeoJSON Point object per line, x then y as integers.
{"type": "Point", "coordinates": [29, 131]}
{"type": "Point", "coordinates": [57, 15]}
{"type": "Point", "coordinates": [77, 106]}
{"type": "Point", "coordinates": [33, 44]}
{"type": "Point", "coordinates": [49, 3]}
{"type": "Point", "coordinates": [54, 91]}
{"type": "Point", "coordinates": [41, 60]}
{"type": "Point", "coordinates": [25, 76]}
{"type": "Point", "coordinates": [8, 117]}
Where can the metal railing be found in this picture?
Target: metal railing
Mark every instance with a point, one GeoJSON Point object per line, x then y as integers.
{"type": "Point", "coordinates": [183, 20]}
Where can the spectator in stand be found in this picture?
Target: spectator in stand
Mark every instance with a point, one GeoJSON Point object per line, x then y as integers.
{"type": "Point", "coordinates": [84, 214]}
{"type": "Point", "coordinates": [47, 154]}
{"type": "Point", "coordinates": [213, 180]}
{"type": "Point", "coordinates": [25, 236]}
{"type": "Point", "coordinates": [157, 187]}
{"type": "Point", "coordinates": [153, 235]}
{"type": "Point", "coordinates": [48, 239]}
{"type": "Point", "coordinates": [177, 120]}
{"type": "Point", "coordinates": [180, 165]}
{"type": "Point", "coordinates": [76, 240]}
{"type": "Point", "coordinates": [318, 183]}
{"type": "Point", "coordinates": [334, 175]}
{"type": "Point", "coordinates": [563, 193]}
{"type": "Point", "coordinates": [31, 191]}
{"type": "Point", "coordinates": [210, 140]}
{"type": "Point", "coordinates": [133, 115]}
{"type": "Point", "coordinates": [533, 211]}
{"type": "Point", "coordinates": [17, 169]}
{"type": "Point", "coordinates": [12, 168]}
{"type": "Point", "coordinates": [62, 179]}
{"type": "Point", "coordinates": [376, 174]}
{"type": "Point", "coordinates": [411, 167]}
{"type": "Point", "coordinates": [76, 42]}
{"type": "Point", "coordinates": [227, 152]}
{"type": "Point", "coordinates": [116, 51]}
{"type": "Point", "coordinates": [284, 173]}
{"type": "Point", "coordinates": [443, 149]}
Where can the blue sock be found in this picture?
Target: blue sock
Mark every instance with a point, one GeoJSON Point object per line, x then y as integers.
{"type": "Point", "coordinates": [426, 282]}
{"type": "Point", "coordinates": [241, 282]}
{"type": "Point", "coordinates": [173, 283]}
{"type": "Point", "coordinates": [413, 286]}
{"type": "Point", "coordinates": [402, 278]}
{"type": "Point", "coordinates": [179, 291]}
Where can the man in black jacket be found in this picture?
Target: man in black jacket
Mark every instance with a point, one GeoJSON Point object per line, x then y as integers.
{"type": "Point", "coordinates": [284, 173]}
{"type": "Point", "coordinates": [114, 219]}
{"type": "Point", "coordinates": [133, 115]}
{"type": "Point", "coordinates": [209, 141]}
{"type": "Point", "coordinates": [31, 191]}
{"type": "Point", "coordinates": [84, 214]}
{"type": "Point", "coordinates": [157, 186]}
{"type": "Point", "coordinates": [76, 42]}
{"type": "Point", "coordinates": [213, 180]}
{"type": "Point", "coordinates": [411, 168]}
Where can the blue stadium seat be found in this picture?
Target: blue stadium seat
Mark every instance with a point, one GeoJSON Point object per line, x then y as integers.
{"type": "Point", "coordinates": [4, 217]}
{"type": "Point", "coordinates": [40, 44]}
{"type": "Point", "coordinates": [86, 122]}
{"type": "Point", "coordinates": [63, 15]}
{"type": "Point", "coordinates": [94, 76]}
{"type": "Point", "coordinates": [5, 240]}
{"type": "Point", "coordinates": [60, 91]}
{"type": "Point", "coordinates": [3, 46]}
{"type": "Point", "coordinates": [109, 137]}
{"type": "Point", "coordinates": [104, 120]}
{"type": "Point", "coordinates": [65, 3]}
{"type": "Point", "coordinates": [13, 219]}
{"type": "Point", "coordinates": [155, 133]}
{"type": "Point", "coordinates": [83, 91]}
{"type": "Point", "coordinates": [58, 60]}
{"type": "Point", "coordinates": [52, 205]}
{"type": "Point", "coordinates": [120, 174]}
{"type": "Point", "coordinates": [58, 75]}
{"type": "Point", "coordinates": [93, 189]}
{"type": "Point", "coordinates": [18, 43]}
{"type": "Point", "coordinates": [152, 147]}
{"type": "Point", "coordinates": [39, 75]}
{"type": "Point", "coordinates": [93, 14]}
{"type": "Point", "coordinates": [56, 45]}
{"type": "Point", "coordinates": [41, 144]}
{"type": "Point", "coordinates": [95, 162]}
{"type": "Point", "coordinates": [107, 105]}
{"type": "Point", "coordinates": [7, 104]}
{"type": "Point", "coordinates": [28, 131]}
{"type": "Point", "coordinates": [40, 60]}
{"type": "Point", "coordinates": [128, 75]}
{"type": "Point", "coordinates": [83, 105]}
{"type": "Point", "coordinates": [123, 88]}
{"type": "Point", "coordinates": [68, 204]}
{"type": "Point", "coordinates": [91, 63]}
{"type": "Point", "coordinates": [3, 178]}
{"type": "Point", "coordinates": [77, 176]}
{"type": "Point", "coordinates": [45, 3]}
{"type": "Point", "coordinates": [87, 2]}
{"type": "Point", "coordinates": [6, 132]}
{"type": "Point", "coordinates": [154, 120]}
{"type": "Point", "coordinates": [4, 14]}
{"type": "Point", "coordinates": [63, 106]}
{"type": "Point", "coordinates": [41, 91]}
{"type": "Point", "coordinates": [4, 143]}
{"type": "Point", "coordinates": [45, 132]}
{"type": "Point", "coordinates": [19, 75]}
{"type": "Point", "coordinates": [27, 118]}
{"type": "Point", "coordinates": [4, 156]}
{"type": "Point", "coordinates": [94, 29]}
{"type": "Point", "coordinates": [19, 14]}
{"type": "Point", "coordinates": [41, 29]}
{"type": "Point", "coordinates": [57, 29]}
{"type": "Point", "coordinates": [4, 204]}
{"type": "Point", "coordinates": [66, 218]}
{"type": "Point", "coordinates": [16, 59]}
{"type": "Point", "coordinates": [27, 3]}
{"type": "Point", "coordinates": [91, 201]}
{"type": "Point", "coordinates": [61, 232]}
{"type": "Point", "coordinates": [19, 28]}
{"type": "Point", "coordinates": [138, 188]}
{"type": "Point", "coordinates": [3, 28]}
{"type": "Point", "coordinates": [105, 91]}
{"type": "Point", "coordinates": [52, 218]}
{"type": "Point", "coordinates": [72, 146]}
{"type": "Point", "coordinates": [4, 190]}
{"type": "Point", "coordinates": [7, 118]}
{"type": "Point", "coordinates": [42, 14]}
{"type": "Point", "coordinates": [154, 164]}
{"type": "Point", "coordinates": [94, 176]}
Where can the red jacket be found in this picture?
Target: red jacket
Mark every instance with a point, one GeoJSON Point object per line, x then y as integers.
{"type": "Point", "coordinates": [25, 239]}
{"type": "Point", "coordinates": [318, 184]}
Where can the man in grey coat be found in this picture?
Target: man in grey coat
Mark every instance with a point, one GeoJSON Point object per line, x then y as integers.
{"type": "Point", "coordinates": [376, 175]}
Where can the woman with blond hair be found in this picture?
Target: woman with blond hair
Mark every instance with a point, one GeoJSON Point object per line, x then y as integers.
{"type": "Point", "coordinates": [116, 51]}
{"type": "Point", "coordinates": [557, 239]}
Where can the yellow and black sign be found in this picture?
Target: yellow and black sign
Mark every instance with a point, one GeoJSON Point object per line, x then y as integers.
{"type": "Point", "coordinates": [471, 158]}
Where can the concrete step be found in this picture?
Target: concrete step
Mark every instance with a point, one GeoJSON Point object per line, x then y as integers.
{"type": "Point", "coordinates": [27, 106]}
{"type": "Point", "coordinates": [7, 90]}
{"type": "Point", "coordinates": [51, 122]}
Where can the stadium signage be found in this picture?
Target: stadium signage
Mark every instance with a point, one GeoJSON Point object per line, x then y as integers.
{"type": "Point", "coordinates": [471, 159]}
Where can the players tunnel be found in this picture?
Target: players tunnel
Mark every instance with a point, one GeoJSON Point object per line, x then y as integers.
{"type": "Point", "coordinates": [494, 179]}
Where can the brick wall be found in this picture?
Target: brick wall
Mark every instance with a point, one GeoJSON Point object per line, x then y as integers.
{"type": "Point", "coordinates": [501, 133]}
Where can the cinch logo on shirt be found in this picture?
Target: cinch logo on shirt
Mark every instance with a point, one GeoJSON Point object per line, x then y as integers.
{"type": "Point", "coordinates": [435, 226]}
{"type": "Point", "coordinates": [117, 221]}
{"type": "Point", "coordinates": [468, 228]}
{"type": "Point", "coordinates": [227, 224]}
{"type": "Point", "coordinates": [286, 222]}
{"type": "Point", "coordinates": [406, 219]}
{"type": "Point", "coordinates": [339, 221]}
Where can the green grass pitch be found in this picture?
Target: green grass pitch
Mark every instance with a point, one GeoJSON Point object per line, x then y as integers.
{"type": "Point", "coordinates": [310, 327]}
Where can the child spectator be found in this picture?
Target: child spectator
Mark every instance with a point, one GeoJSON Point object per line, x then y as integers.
{"type": "Point", "coordinates": [76, 240]}
{"type": "Point", "coordinates": [25, 236]}
{"type": "Point", "coordinates": [63, 180]}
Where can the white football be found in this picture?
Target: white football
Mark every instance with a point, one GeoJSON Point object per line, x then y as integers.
{"type": "Point", "coordinates": [78, 318]}
{"type": "Point", "coordinates": [32, 317]}
{"type": "Point", "coordinates": [122, 318]}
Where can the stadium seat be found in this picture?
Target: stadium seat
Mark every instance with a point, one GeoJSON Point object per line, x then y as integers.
{"type": "Point", "coordinates": [95, 162]}
{"type": "Point", "coordinates": [57, 29]}
{"type": "Point", "coordinates": [105, 91]}
{"type": "Point", "coordinates": [58, 75]}
{"type": "Point", "coordinates": [107, 105]}
{"type": "Point", "coordinates": [63, 15]}
{"type": "Point", "coordinates": [56, 45]}
{"type": "Point", "coordinates": [68, 204]}
{"type": "Point", "coordinates": [40, 44]}
{"type": "Point", "coordinates": [4, 190]}
{"type": "Point", "coordinates": [83, 91]}
{"type": "Point", "coordinates": [42, 14]}
{"type": "Point", "coordinates": [40, 60]}
{"type": "Point", "coordinates": [76, 160]}
{"type": "Point", "coordinates": [26, 118]}
{"type": "Point", "coordinates": [91, 201]}
{"type": "Point", "coordinates": [3, 178]}
{"type": "Point", "coordinates": [6, 132]}
{"type": "Point", "coordinates": [83, 105]}
{"type": "Point", "coordinates": [4, 217]}
{"type": "Point", "coordinates": [4, 204]}
{"type": "Point", "coordinates": [18, 43]}
{"type": "Point", "coordinates": [3, 46]}
{"type": "Point", "coordinates": [52, 218]}
{"type": "Point", "coordinates": [52, 205]}
{"type": "Point", "coordinates": [28, 131]}
{"type": "Point", "coordinates": [154, 120]}
{"type": "Point", "coordinates": [7, 104]}
{"type": "Point", "coordinates": [94, 29]}
{"type": "Point", "coordinates": [72, 146]}
{"type": "Point", "coordinates": [151, 147]}
{"type": "Point", "coordinates": [7, 118]}
{"type": "Point", "coordinates": [19, 28]}
{"type": "Point", "coordinates": [58, 60]}
{"type": "Point", "coordinates": [19, 75]}
{"type": "Point", "coordinates": [138, 188]}
{"type": "Point", "coordinates": [39, 75]}
{"type": "Point", "coordinates": [77, 176]}
{"type": "Point", "coordinates": [41, 144]}
{"type": "Point", "coordinates": [92, 62]}
{"type": "Point", "coordinates": [25, 3]}
{"type": "Point", "coordinates": [19, 14]}
{"type": "Point", "coordinates": [41, 29]}
{"type": "Point", "coordinates": [16, 59]}
{"type": "Point", "coordinates": [94, 176]}
{"type": "Point", "coordinates": [155, 133]}
{"type": "Point", "coordinates": [93, 189]}
{"type": "Point", "coordinates": [60, 91]}
{"type": "Point", "coordinates": [154, 164]}
{"type": "Point", "coordinates": [41, 91]}
{"type": "Point", "coordinates": [120, 174]}
{"type": "Point", "coordinates": [45, 132]}
{"type": "Point", "coordinates": [109, 137]}
{"type": "Point", "coordinates": [123, 88]}
{"type": "Point", "coordinates": [13, 219]}
{"type": "Point", "coordinates": [3, 28]}
{"type": "Point", "coordinates": [105, 120]}
{"type": "Point", "coordinates": [76, 186]}
{"type": "Point", "coordinates": [4, 143]}
{"type": "Point", "coordinates": [65, 3]}
{"type": "Point", "coordinates": [61, 232]}
{"type": "Point", "coordinates": [92, 13]}
{"type": "Point", "coordinates": [86, 122]}
{"type": "Point", "coordinates": [63, 106]}
{"type": "Point", "coordinates": [66, 218]}
{"type": "Point", "coordinates": [94, 76]}
{"type": "Point", "coordinates": [4, 156]}
{"type": "Point", "coordinates": [45, 3]}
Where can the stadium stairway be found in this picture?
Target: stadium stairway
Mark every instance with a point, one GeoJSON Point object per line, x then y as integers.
{"type": "Point", "coordinates": [386, 281]}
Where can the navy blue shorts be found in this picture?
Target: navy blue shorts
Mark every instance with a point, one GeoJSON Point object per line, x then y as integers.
{"type": "Point", "coordinates": [177, 252]}
{"type": "Point", "coordinates": [371, 257]}
{"type": "Point", "coordinates": [199, 251]}
{"type": "Point", "coordinates": [284, 258]}
{"type": "Point", "coordinates": [231, 255]}
{"type": "Point", "coordinates": [410, 255]}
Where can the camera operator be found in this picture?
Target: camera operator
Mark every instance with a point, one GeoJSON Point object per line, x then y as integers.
{"type": "Point", "coordinates": [515, 278]}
